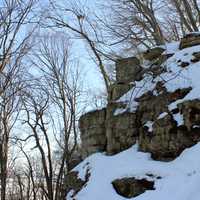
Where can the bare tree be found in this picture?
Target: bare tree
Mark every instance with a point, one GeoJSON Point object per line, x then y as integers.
{"type": "Point", "coordinates": [143, 24]}
{"type": "Point", "coordinates": [13, 48]}
{"type": "Point", "coordinates": [9, 109]}
{"type": "Point", "coordinates": [188, 14]}
{"type": "Point", "coordinates": [14, 15]}
{"type": "Point", "coordinates": [63, 79]}
{"type": "Point", "coordinates": [136, 22]}
{"type": "Point", "coordinates": [52, 108]}
{"type": "Point", "coordinates": [74, 19]}
{"type": "Point", "coordinates": [35, 108]}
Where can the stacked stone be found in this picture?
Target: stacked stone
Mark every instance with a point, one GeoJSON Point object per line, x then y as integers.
{"type": "Point", "coordinates": [121, 129]}
{"type": "Point", "coordinates": [93, 132]}
{"type": "Point", "coordinates": [121, 132]}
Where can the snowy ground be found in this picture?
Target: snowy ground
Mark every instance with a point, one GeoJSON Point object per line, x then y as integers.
{"type": "Point", "coordinates": [180, 178]}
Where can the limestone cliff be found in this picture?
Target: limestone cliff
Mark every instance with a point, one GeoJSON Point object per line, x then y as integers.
{"type": "Point", "coordinates": [155, 102]}
{"type": "Point", "coordinates": [112, 131]}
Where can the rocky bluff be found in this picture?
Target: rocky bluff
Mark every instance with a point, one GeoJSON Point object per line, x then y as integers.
{"type": "Point", "coordinates": [155, 102]}
{"type": "Point", "coordinates": [152, 123]}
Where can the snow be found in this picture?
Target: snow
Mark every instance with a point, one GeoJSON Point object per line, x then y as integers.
{"type": "Point", "coordinates": [119, 111]}
{"type": "Point", "coordinates": [180, 178]}
{"type": "Point", "coordinates": [182, 77]}
{"type": "Point", "coordinates": [175, 78]}
{"type": "Point", "coordinates": [149, 124]}
{"type": "Point", "coordinates": [162, 115]}
{"type": "Point", "coordinates": [179, 119]}
{"type": "Point", "coordinates": [141, 87]}
{"type": "Point", "coordinates": [171, 47]}
{"type": "Point", "coordinates": [196, 126]}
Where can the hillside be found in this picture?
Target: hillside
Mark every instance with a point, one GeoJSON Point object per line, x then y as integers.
{"type": "Point", "coordinates": [149, 133]}
{"type": "Point", "coordinates": [177, 180]}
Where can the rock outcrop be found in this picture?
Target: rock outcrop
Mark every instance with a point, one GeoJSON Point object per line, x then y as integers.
{"type": "Point", "coordinates": [191, 39]}
{"type": "Point", "coordinates": [93, 132]}
{"type": "Point", "coordinates": [155, 103]}
{"type": "Point", "coordinates": [74, 183]}
{"type": "Point", "coordinates": [130, 65]}
{"type": "Point", "coordinates": [131, 187]}
{"type": "Point", "coordinates": [116, 127]}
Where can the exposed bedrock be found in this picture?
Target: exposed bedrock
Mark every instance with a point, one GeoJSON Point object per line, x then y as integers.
{"type": "Point", "coordinates": [160, 130]}
{"type": "Point", "coordinates": [93, 132]}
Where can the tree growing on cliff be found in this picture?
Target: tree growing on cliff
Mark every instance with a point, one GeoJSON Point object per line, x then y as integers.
{"type": "Point", "coordinates": [136, 20]}
{"type": "Point", "coordinates": [76, 20]}
{"type": "Point", "coordinates": [188, 13]}
{"type": "Point", "coordinates": [151, 22]}
{"type": "Point", "coordinates": [137, 23]}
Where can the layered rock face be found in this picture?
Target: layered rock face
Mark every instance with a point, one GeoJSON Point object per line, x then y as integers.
{"type": "Point", "coordinates": [154, 102]}
{"type": "Point", "coordinates": [147, 116]}
{"type": "Point", "coordinates": [93, 132]}
{"type": "Point", "coordinates": [109, 132]}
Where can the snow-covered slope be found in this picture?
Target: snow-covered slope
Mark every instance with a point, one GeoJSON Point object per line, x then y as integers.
{"type": "Point", "coordinates": [180, 179]}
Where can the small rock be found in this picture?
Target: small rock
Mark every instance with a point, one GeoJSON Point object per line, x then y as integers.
{"type": "Point", "coordinates": [184, 64]}
{"type": "Point", "coordinates": [196, 57]}
{"type": "Point", "coordinates": [152, 54]}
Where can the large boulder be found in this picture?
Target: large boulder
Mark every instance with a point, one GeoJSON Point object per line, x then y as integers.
{"type": "Point", "coordinates": [152, 105]}
{"type": "Point", "coordinates": [131, 187]}
{"type": "Point", "coordinates": [171, 134]}
{"type": "Point", "coordinates": [191, 113]}
{"type": "Point", "coordinates": [163, 137]}
{"type": "Point", "coordinates": [128, 70]}
{"type": "Point", "coordinates": [164, 142]}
